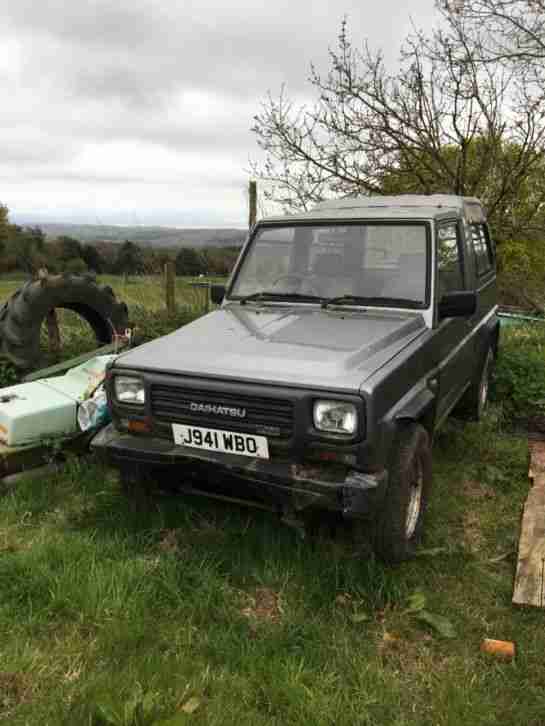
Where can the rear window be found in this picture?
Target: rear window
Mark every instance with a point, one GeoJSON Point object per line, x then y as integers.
{"type": "Point", "coordinates": [482, 248]}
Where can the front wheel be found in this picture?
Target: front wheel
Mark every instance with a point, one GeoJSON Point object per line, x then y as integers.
{"type": "Point", "coordinates": [400, 523]}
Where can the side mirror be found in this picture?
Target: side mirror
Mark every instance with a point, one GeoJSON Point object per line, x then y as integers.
{"type": "Point", "coordinates": [217, 293]}
{"type": "Point", "coordinates": [457, 304]}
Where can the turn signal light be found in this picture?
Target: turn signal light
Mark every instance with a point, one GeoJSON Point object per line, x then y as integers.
{"type": "Point", "coordinates": [139, 427]}
{"type": "Point", "coordinates": [328, 456]}
{"type": "Point", "coordinates": [331, 456]}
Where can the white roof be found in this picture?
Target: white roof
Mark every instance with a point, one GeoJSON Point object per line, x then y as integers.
{"type": "Point", "coordinates": [403, 206]}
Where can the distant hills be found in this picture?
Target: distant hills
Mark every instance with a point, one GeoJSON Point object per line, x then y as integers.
{"type": "Point", "coordinates": [148, 236]}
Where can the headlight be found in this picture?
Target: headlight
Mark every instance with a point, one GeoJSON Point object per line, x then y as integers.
{"type": "Point", "coordinates": [338, 417]}
{"type": "Point", "coordinates": [129, 390]}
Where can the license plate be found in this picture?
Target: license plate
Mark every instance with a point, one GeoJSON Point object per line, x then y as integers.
{"type": "Point", "coordinates": [228, 442]}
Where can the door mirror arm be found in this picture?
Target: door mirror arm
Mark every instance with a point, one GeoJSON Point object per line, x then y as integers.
{"type": "Point", "coordinates": [217, 293]}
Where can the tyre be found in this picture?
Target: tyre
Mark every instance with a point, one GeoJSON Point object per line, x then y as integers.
{"type": "Point", "coordinates": [22, 315]}
{"type": "Point", "coordinates": [475, 400]}
{"type": "Point", "coordinates": [400, 523]}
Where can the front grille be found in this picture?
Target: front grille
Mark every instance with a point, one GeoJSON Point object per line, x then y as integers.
{"type": "Point", "coordinates": [263, 415]}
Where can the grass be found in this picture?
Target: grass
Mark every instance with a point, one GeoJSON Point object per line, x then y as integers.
{"type": "Point", "coordinates": [108, 616]}
{"type": "Point", "coordinates": [138, 290]}
{"type": "Point", "coordinates": [205, 613]}
{"type": "Point", "coordinates": [145, 298]}
{"type": "Point", "coordinates": [520, 375]}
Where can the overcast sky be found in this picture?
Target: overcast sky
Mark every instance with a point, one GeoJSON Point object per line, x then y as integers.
{"type": "Point", "coordinates": [139, 111]}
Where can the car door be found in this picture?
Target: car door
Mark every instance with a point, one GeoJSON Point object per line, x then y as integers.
{"type": "Point", "coordinates": [453, 335]}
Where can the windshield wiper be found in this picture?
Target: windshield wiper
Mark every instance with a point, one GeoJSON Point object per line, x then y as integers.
{"type": "Point", "coordinates": [376, 300]}
{"type": "Point", "coordinates": [271, 295]}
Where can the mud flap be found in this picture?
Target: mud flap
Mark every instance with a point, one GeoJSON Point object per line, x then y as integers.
{"type": "Point", "coordinates": [363, 493]}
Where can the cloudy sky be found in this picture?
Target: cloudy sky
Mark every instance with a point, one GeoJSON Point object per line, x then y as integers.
{"type": "Point", "coordinates": [139, 111]}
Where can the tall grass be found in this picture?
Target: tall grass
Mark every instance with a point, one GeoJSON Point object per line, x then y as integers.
{"type": "Point", "coordinates": [149, 291]}
{"type": "Point", "coordinates": [143, 290]}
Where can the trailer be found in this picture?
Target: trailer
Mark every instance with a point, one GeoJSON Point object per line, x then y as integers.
{"type": "Point", "coordinates": [39, 415]}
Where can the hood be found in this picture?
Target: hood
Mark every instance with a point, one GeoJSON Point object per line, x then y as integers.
{"type": "Point", "coordinates": [289, 345]}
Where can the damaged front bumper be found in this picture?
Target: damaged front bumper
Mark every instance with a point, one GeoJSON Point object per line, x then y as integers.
{"type": "Point", "coordinates": [282, 484]}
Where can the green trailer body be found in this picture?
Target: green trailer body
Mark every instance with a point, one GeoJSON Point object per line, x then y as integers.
{"type": "Point", "coordinates": [39, 417]}
{"type": "Point", "coordinates": [47, 409]}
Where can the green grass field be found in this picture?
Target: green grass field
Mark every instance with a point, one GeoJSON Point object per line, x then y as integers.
{"type": "Point", "coordinates": [196, 612]}
{"type": "Point", "coordinates": [144, 290]}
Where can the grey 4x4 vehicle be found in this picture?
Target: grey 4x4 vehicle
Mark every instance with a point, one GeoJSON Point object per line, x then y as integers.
{"type": "Point", "coordinates": [345, 337]}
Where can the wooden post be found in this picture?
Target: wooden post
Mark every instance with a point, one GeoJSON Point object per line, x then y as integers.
{"type": "Point", "coordinates": [53, 333]}
{"type": "Point", "coordinates": [170, 285]}
{"type": "Point", "coordinates": [252, 195]}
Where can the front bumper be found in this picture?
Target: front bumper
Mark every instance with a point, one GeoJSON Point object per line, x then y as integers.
{"type": "Point", "coordinates": [281, 483]}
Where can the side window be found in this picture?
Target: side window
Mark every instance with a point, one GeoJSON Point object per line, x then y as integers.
{"type": "Point", "coordinates": [482, 249]}
{"type": "Point", "coordinates": [449, 262]}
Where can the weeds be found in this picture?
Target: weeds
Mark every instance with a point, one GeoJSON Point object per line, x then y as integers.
{"type": "Point", "coordinates": [8, 374]}
{"type": "Point", "coordinates": [519, 380]}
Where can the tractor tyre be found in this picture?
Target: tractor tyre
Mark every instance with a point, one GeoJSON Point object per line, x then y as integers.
{"type": "Point", "coordinates": [21, 317]}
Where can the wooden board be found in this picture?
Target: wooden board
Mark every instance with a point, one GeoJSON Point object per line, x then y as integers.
{"type": "Point", "coordinates": [537, 459]}
{"type": "Point", "coordinates": [530, 575]}
{"type": "Point", "coordinates": [14, 459]}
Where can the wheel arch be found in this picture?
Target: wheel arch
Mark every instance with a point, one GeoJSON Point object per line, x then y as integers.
{"type": "Point", "coordinates": [418, 406]}
{"type": "Point", "coordinates": [420, 409]}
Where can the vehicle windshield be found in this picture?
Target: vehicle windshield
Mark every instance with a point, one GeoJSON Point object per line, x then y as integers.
{"type": "Point", "coordinates": [375, 263]}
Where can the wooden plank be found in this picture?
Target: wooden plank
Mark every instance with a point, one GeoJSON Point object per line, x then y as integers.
{"type": "Point", "coordinates": [39, 472]}
{"type": "Point", "coordinates": [530, 575]}
{"type": "Point", "coordinates": [14, 459]}
{"type": "Point", "coordinates": [537, 459]}
{"type": "Point", "coordinates": [65, 365]}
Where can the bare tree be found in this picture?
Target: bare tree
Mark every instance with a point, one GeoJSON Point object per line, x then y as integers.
{"type": "Point", "coordinates": [503, 30]}
{"type": "Point", "coordinates": [443, 122]}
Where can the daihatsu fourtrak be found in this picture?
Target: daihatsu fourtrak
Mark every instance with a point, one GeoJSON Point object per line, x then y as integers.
{"type": "Point", "coordinates": [344, 338]}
